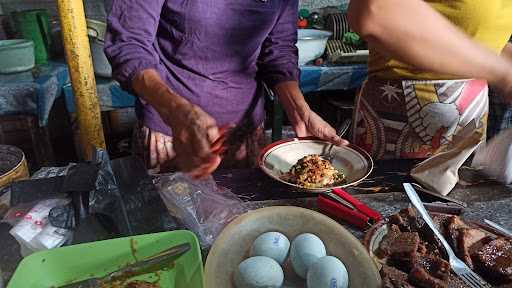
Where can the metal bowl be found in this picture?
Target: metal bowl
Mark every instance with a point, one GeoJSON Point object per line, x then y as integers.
{"type": "Point", "coordinates": [233, 245]}
{"type": "Point", "coordinates": [277, 159]}
{"type": "Point", "coordinates": [13, 165]}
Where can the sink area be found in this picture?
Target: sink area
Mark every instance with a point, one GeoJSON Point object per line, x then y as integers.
{"type": "Point", "coordinates": [311, 44]}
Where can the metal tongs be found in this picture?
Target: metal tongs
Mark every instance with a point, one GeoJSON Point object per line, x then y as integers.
{"type": "Point", "coordinates": [342, 205]}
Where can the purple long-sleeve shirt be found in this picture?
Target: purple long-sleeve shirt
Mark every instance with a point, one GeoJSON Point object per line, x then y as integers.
{"type": "Point", "coordinates": [211, 52]}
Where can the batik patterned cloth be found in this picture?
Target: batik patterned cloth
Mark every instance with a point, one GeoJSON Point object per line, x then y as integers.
{"type": "Point", "coordinates": [416, 119]}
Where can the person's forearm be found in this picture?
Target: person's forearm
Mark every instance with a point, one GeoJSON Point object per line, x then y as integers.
{"type": "Point", "coordinates": [414, 33]}
{"type": "Point", "coordinates": [151, 88]}
{"type": "Point", "coordinates": [291, 99]}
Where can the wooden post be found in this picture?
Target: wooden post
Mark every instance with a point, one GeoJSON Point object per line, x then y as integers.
{"type": "Point", "coordinates": [78, 57]}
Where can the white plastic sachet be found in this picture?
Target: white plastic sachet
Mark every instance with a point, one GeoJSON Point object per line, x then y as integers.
{"type": "Point", "coordinates": [495, 158]}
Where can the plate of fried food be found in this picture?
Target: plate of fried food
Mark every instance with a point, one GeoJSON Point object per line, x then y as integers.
{"type": "Point", "coordinates": [409, 255]}
{"type": "Point", "coordinates": [308, 165]}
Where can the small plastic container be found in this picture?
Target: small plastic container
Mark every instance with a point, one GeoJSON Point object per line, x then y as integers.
{"type": "Point", "coordinates": [16, 55]}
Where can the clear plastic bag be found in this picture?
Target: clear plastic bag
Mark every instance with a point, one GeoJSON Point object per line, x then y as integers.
{"type": "Point", "coordinates": [32, 229]}
{"type": "Point", "coordinates": [199, 205]}
{"type": "Point", "coordinates": [495, 157]}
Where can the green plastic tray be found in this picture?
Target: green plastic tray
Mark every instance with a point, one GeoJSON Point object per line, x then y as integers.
{"type": "Point", "coordinates": [58, 267]}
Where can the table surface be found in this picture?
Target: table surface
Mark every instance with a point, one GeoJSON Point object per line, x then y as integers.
{"type": "Point", "coordinates": [381, 191]}
{"type": "Point", "coordinates": [33, 92]}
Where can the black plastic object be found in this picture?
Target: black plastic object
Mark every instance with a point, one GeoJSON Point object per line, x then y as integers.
{"type": "Point", "coordinates": [140, 202]}
{"type": "Point", "coordinates": [79, 182]}
{"type": "Point", "coordinates": [27, 191]}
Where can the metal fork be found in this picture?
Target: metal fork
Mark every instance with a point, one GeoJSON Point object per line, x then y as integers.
{"type": "Point", "coordinates": [459, 267]}
{"type": "Point", "coordinates": [341, 131]}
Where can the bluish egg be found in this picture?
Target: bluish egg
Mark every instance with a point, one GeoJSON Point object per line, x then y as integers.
{"type": "Point", "coordinates": [259, 272]}
{"type": "Point", "coordinates": [327, 272]}
{"type": "Point", "coordinates": [305, 250]}
{"type": "Point", "coordinates": [271, 244]}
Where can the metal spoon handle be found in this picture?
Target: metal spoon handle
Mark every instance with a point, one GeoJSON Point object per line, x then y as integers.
{"type": "Point", "coordinates": [341, 131]}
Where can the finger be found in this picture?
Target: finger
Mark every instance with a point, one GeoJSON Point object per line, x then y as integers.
{"type": "Point", "coordinates": [300, 130]}
{"type": "Point", "coordinates": [200, 145]}
{"type": "Point", "coordinates": [328, 133]}
{"type": "Point", "coordinates": [152, 150]}
{"type": "Point", "coordinates": [219, 150]}
{"type": "Point", "coordinates": [219, 142]}
{"type": "Point", "coordinates": [161, 150]}
{"type": "Point", "coordinates": [213, 133]}
{"type": "Point", "coordinates": [207, 168]}
{"type": "Point", "coordinates": [169, 148]}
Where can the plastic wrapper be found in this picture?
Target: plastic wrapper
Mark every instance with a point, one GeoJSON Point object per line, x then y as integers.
{"type": "Point", "coordinates": [32, 229]}
{"type": "Point", "coordinates": [122, 193]}
{"type": "Point", "coordinates": [15, 214]}
{"type": "Point", "coordinates": [199, 205]}
{"type": "Point", "coordinates": [495, 158]}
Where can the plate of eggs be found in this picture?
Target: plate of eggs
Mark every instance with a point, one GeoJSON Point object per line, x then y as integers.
{"type": "Point", "coordinates": [286, 246]}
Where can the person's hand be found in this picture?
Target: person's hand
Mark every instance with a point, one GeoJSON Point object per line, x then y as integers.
{"type": "Point", "coordinates": [304, 121]}
{"type": "Point", "coordinates": [194, 131]}
{"type": "Point", "coordinates": [196, 138]}
{"type": "Point", "coordinates": [308, 123]}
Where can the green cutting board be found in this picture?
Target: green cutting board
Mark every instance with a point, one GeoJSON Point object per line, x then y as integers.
{"type": "Point", "coordinates": [61, 266]}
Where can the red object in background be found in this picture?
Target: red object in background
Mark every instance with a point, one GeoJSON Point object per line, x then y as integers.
{"type": "Point", "coordinates": [319, 62]}
{"type": "Point", "coordinates": [302, 23]}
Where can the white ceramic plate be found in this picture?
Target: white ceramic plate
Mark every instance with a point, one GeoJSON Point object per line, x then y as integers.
{"type": "Point", "coordinates": [277, 159]}
{"type": "Point", "coordinates": [233, 245]}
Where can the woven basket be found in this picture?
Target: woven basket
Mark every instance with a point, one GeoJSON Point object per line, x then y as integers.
{"type": "Point", "coordinates": [13, 165]}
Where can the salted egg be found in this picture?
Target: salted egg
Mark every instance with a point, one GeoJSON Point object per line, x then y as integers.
{"type": "Point", "coordinates": [259, 272]}
{"type": "Point", "coordinates": [327, 272]}
{"type": "Point", "coordinates": [305, 250]}
{"type": "Point", "coordinates": [271, 244]}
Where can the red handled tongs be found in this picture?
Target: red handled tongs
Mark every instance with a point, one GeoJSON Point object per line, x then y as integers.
{"type": "Point", "coordinates": [342, 205]}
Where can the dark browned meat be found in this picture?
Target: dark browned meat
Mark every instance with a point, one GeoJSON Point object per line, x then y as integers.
{"type": "Point", "coordinates": [440, 221]}
{"type": "Point", "coordinates": [406, 220]}
{"type": "Point", "coordinates": [467, 238]}
{"type": "Point", "coordinates": [415, 257]}
{"type": "Point", "coordinates": [494, 260]}
{"type": "Point", "coordinates": [421, 278]}
{"type": "Point", "coordinates": [434, 266]}
{"type": "Point", "coordinates": [456, 282]}
{"type": "Point", "coordinates": [422, 249]}
{"type": "Point", "coordinates": [386, 245]}
{"type": "Point", "coordinates": [454, 224]}
{"type": "Point", "coordinates": [400, 247]}
{"type": "Point", "coordinates": [393, 278]}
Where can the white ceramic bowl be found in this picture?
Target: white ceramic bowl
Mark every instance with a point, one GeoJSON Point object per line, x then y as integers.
{"type": "Point", "coordinates": [311, 44]}
{"type": "Point", "coordinates": [233, 245]}
{"type": "Point", "coordinates": [277, 159]}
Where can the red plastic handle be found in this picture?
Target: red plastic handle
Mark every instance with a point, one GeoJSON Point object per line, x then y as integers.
{"type": "Point", "coordinates": [372, 214]}
{"type": "Point", "coordinates": [338, 210]}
